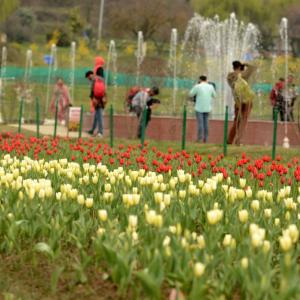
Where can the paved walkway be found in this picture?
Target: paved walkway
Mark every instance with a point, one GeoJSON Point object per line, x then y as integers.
{"type": "Point", "coordinates": [49, 129]}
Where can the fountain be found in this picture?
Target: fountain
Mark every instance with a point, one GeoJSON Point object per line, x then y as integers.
{"type": "Point", "coordinates": [28, 66]}
{"type": "Point", "coordinates": [219, 43]}
{"type": "Point", "coordinates": [285, 41]}
{"type": "Point", "coordinates": [2, 79]}
{"type": "Point", "coordinates": [259, 91]}
{"type": "Point", "coordinates": [51, 70]}
{"type": "Point", "coordinates": [274, 67]}
{"type": "Point", "coordinates": [111, 67]}
{"type": "Point", "coordinates": [173, 63]}
{"type": "Point", "coordinates": [25, 92]}
{"type": "Point", "coordinates": [72, 72]}
{"type": "Point", "coordinates": [140, 55]}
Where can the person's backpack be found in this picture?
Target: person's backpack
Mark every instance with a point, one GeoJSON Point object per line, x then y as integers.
{"type": "Point", "coordinates": [99, 88]}
{"type": "Point", "coordinates": [242, 91]}
{"type": "Point", "coordinates": [130, 95]}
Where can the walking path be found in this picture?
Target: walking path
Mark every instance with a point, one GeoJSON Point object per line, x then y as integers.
{"type": "Point", "coordinates": [49, 129]}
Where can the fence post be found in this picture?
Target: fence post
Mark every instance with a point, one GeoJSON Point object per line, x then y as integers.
{"type": "Point", "coordinates": [111, 126]}
{"type": "Point", "coordinates": [274, 133]}
{"type": "Point", "coordinates": [183, 129]}
{"type": "Point", "coordinates": [143, 132]}
{"type": "Point", "coordinates": [225, 132]}
{"type": "Point", "coordinates": [37, 110]}
{"type": "Point", "coordinates": [20, 115]}
{"type": "Point", "coordinates": [80, 122]}
{"type": "Point", "coordinates": [55, 120]}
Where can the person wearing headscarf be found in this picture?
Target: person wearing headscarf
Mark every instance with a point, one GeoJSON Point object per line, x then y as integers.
{"type": "Point", "coordinates": [243, 97]}
{"type": "Point", "coordinates": [62, 97]}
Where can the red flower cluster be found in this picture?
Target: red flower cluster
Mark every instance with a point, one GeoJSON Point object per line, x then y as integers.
{"type": "Point", "coordinates": [263, 170]}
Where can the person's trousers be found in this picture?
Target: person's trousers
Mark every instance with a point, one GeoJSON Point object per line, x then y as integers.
{"type": "Point", "coordinates": [286, 113]}
{"type": "Point", "coordinates": [202, 125]}
{"type": "Point", "coordinates": [98, 120]}
{"type": "Point", "coordinates": [140, 126]}
{"type": "Point", "coordinates": [241, 115]}
{"type": "Point", "coordinates": [275, 107]}
{"type": "Point", "coordinates": [138, 111]}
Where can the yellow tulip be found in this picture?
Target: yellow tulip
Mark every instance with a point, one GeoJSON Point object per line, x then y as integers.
{"type": "Point", "coordinates": [102, 214]}
{"type": "Point", "coordinates": [227, 240]}
{"type": "Point", "coordinates": [199, 269]}
{"type": "Point", "coordinates": [89, 202]}
{"type": "Point", "coordinates": [285, 242]}
{"type": "Point", "coordinates": [243, 215]}
{"type": "Point", "coordinates": [132, 221]}
{"type": "Point", "coordinates": [80, 199]}
{"type": "Point", "coordinates": [214, 216]}
{"type": "Point", "coordinates": [244, 263]}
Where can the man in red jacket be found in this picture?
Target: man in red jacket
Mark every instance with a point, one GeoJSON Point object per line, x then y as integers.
{"type": "Point", "coordinates": [98, 102]}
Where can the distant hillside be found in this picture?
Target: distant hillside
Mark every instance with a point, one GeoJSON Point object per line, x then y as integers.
{"type": "Point", "coordinates": [54, 14]}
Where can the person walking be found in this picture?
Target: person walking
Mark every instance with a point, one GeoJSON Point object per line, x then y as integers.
{"type": "Point", "coordinates": [243, 97]}
{"type": "Point", "coordinates": [62, 96]}
{"type": "Point", "coordinates": [203, 92]}
{"type": "Point", "coordinates": [98, 96]}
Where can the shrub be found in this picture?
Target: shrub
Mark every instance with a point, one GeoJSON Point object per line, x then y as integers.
{"type": "Point", "coordinates": [19, 26]}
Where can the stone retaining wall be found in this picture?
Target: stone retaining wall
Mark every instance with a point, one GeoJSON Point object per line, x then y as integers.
{"type": "Point", "coordinates": [170, 129]}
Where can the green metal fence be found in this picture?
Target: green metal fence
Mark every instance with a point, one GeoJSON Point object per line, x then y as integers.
{"type": "Point", "coordinates": [40, 75]}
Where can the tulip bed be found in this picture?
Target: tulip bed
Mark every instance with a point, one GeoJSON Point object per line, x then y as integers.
{"type": "Point", "coordinates": [83, 220]}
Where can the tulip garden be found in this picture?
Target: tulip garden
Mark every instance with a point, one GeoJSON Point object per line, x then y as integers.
{"type": "Point", "coordinates": [79, 219]}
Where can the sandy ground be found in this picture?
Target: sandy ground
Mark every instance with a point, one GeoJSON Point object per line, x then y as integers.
{"type": "Point", "coordinates": [49, 130]}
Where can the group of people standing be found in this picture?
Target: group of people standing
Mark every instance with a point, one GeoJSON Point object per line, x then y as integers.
{"type": "Point", "coordinates": [283, 97]}
{"type": "Point", "coordinates": [140, 101]}
{"type": "Point", "coordinates": [204, 92]}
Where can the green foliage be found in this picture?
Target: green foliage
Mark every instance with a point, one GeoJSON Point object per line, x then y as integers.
{"type": "Point", "coordinates": [76, 23]}
{"type": "Point", "coordinates": [7, 7]}
{"type": "Point", "coordinates": [59, 37]}
{"type": "Point", "coordinates": [19, 26]}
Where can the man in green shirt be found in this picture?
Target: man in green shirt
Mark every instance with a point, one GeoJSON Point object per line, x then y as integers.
{"type": "Point", "coordinates": [204, 93]}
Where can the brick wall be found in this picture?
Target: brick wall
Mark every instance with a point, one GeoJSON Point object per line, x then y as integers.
{"type": "Point", "coordinates": [170, 128]}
